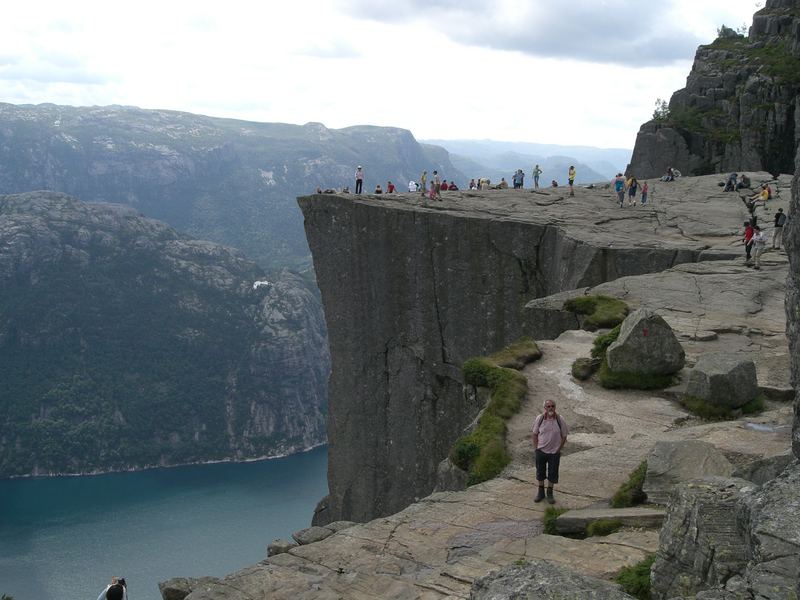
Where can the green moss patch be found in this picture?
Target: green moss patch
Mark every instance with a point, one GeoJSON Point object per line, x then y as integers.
{"type": "Point", "coordinates": [551, 513]}
{"type": "Point", "coordinates": [483, 452]}
{"type": "Point", "coordinates": [600, 311]}
{"type": "Point", "coordinates": [603, 527]}
{"type": "Point", "coordinates": [635, 580]}
{"type": "Point", "coordinates": [711, 412]}
{"type": "Point", "coordinates": [583, 368]}
{"type": "Point", "coordinates": [614, 380]}
{"type": "Point", "coordinates": [603, 341]}
{"type": "Point", "coordinates": [630, 493]}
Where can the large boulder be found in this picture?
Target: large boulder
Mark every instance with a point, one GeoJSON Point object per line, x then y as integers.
{"type": "Point", "coordinates": [671, 463]}
{"type": "Point", "coordinates": [727, 539]}
{"type": "Point", "coordinates": [723, 379]}
{"type": "Point", "coordinates": [540, 580]}
{"type": "Point", "coordinates": [646, 345]}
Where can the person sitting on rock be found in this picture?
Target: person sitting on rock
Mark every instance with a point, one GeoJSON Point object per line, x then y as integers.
{"type": "Point", "coordinates": [669, 176]}
{"type": "Point", "coordinates": [412, 186]}
{"type": "Point", "coordinates": [503, 185]}
{"type": "Point", "coordinates": [744, 182]}
{"type": "Point", "coordinates": [730, 185]}
{"type": "Point", "coordinates": [554, 183]}
{"type": "Point", "coordinates": [549, 436]}
{"type": "Point", "coordinates": [452, 187]}
{"type": "Point", "coordinates": [390, 189]}
{"type": "Point", "coordinates": [116, 590]}
{"type": "Point", "coordinates": [473, 185]}
{"type": "Point", "coordinates": [378, 189]}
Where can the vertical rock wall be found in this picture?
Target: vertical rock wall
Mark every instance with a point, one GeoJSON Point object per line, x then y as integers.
{"type": "Point", "coordinates": [792, 243]}
{"type": "Point", "coordinates": [409, 294]}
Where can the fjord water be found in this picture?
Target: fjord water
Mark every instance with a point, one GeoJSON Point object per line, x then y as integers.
{"type": "Point", "coordinates": [62, 538]}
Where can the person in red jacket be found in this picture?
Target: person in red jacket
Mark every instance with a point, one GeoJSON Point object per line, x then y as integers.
{"type": "Point", "coordinates": [390, 188]}
{"type": "Point", "coordinates": [748, 240]}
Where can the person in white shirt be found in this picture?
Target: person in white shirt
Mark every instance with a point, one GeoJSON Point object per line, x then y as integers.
{"type": "Point", "coordinates": [759, 245]}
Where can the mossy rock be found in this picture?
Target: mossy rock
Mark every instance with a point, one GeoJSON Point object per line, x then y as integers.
{"type": "Point", "coordinates": [599, 311]}
{"type": "Point", "coordinates": [615, 380]}
{"type": "Point", "coordinates": [604, 340]}
{"type": "Point", "coordinates": [715, 412]}
{"type": "Point", "coordinates": [584, 368]}
{"type": "Point", "coordinates": [517, 355]}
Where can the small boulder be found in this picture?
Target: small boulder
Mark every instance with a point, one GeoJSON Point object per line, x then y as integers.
{"type": "Point", "coordinates": [312, 534]}
{"type": "Point", "coordinates": [280, 546]}
{"type": "Point", "coordinates": [583, 368]}
{"type": "Point", "coordinates": [723, 379]}
{"type": "Point", "coordinates": [671, 463]}
{"type": "Point", "coordinates": [340, 525]}
{"type": "Point", "coordinates": [646, 345]}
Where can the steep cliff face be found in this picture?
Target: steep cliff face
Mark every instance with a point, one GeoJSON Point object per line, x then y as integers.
{"type": "Point", "coordinates": [125, 344]}
{"type": "Point", "coordinates": [411, 291]}
{"type": "Point", "coordinates": [792, 240]}
{"type": "Point", "coordinates": [738, 111]}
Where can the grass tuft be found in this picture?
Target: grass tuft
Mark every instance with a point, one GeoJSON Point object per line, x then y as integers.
{"type": "Point", "coordinates": [600, 311]}
{"type": "Point", "coordinates": [635, 580]}
{"type": "Point", "coordinates": [712, 412]}
{"type": "Point", "coordinates": [603, 527]}
{"type": "Point", "coordinates": [551, 513]}
{"type": "Point", "coordinates": [630, 493]}
{"type": "Point", "coordinates": [603, 341]}
{"type": "Point", "coordinates": [482, 453]}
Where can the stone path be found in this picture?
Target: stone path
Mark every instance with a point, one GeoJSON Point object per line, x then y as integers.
{"type": "Point", "coordinates": [435, 548]}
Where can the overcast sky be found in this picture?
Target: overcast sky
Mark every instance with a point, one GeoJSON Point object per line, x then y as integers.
{"type": "Point", "coordinates": [581, 72]}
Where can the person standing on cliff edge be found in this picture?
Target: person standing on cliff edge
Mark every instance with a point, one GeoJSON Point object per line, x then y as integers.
{"type": "Point", "coordinates": [359, 179]}
{"type": "Point", "coordinates": [549, 436]}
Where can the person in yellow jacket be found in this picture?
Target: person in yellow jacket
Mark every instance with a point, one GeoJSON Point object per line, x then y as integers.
{"type": "Point", "coordinates": [571, 177]}
{"type": "Point", "coordinates": [423, 182]}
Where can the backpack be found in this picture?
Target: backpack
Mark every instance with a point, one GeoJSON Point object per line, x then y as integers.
{"type": "Point", "coordinates": [115, 592]}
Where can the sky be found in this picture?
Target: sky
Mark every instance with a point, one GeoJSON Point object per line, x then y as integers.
{"type": "Point", "coordinates": [586, 72]}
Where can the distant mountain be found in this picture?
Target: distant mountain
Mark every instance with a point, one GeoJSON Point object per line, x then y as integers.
{"type": "Point", "coordinates": [124, 343]}
{"type": "Point", "coordinates": [503, 158]}
{"type": "Point", "coordinates": [229, 181]}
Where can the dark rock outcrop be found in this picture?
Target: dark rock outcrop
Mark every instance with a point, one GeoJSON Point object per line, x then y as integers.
{"type": "Point", "coordinates": [541, 580]}
{"type": "Point", "coordinates": [125, 344]}
{"type": "Point", "coordinates": [792, 240]}
{"type": "Point", "coordinates": [646, 345]}
{"type": "Point", "coordinates": [738, 109]}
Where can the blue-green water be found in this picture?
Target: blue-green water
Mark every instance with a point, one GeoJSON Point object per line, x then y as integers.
{"type": "Point", "coordinates": [62, 538]}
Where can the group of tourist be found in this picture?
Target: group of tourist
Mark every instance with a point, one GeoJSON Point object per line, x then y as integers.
{"type": "Point", "coordinates": [629, 187]}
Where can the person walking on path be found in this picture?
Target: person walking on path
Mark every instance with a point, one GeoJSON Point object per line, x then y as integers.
{"type": "Point", "coordinates": [571, 177]}
{"type": "Point", "coordinates": [619, 188]}
{"type": "Point", "coordinates": [748, 241]}
{"type": "Point", "coordinates": [549, 436]}
{"type": "Point", "coordinates": [777, 233]}
{"type": "Point", "coordinates": [116, 590]}
{"type": "Point", "coordinates": [536, 172]}
{"type": "Point", "coordinates": [645, 190]}
{"type": "Point", "coordinates": [632, 184]}
{"type": "Point", "coordinates": [759, 245]}
{"type": "Point", "coordinates": [359, 179]}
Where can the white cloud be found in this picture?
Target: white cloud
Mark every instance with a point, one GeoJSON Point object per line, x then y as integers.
{"type": "Point", "coordinates": [588, 72]}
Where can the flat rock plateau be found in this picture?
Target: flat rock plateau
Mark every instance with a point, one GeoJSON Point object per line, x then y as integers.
{"type": "Point", "coordinates": [681, 255]}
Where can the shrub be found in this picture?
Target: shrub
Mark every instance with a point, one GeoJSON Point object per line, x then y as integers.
{"type": "Point", "coordinates": [635, 580]}
{"type": "Point", "coordinates": [603, 341]}
{"type": "Point", "coordinates": [476, 371]}
{"type": "Point", "coordinates": [630, 493]}
{"type": "Point", "coordinates": [600, 311]}
{"type": "Point", "coordinates": [464, 452]}
{"type": "Point", "coordinates": [492, 459]}
{"type": "Point", "coordinates": [602, 527]}
{"type": "Point", "coordinates": [713, 412]}
{"type": "Point", "coordinates": [614, 380]}
{"type": "Point", "coordinates": [551, 513]}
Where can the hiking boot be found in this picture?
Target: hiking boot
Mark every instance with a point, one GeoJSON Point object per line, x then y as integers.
{"type": "Point", "coordinates": [550, 498]}
{"type": "Point", "coordinates": [539, 494]}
